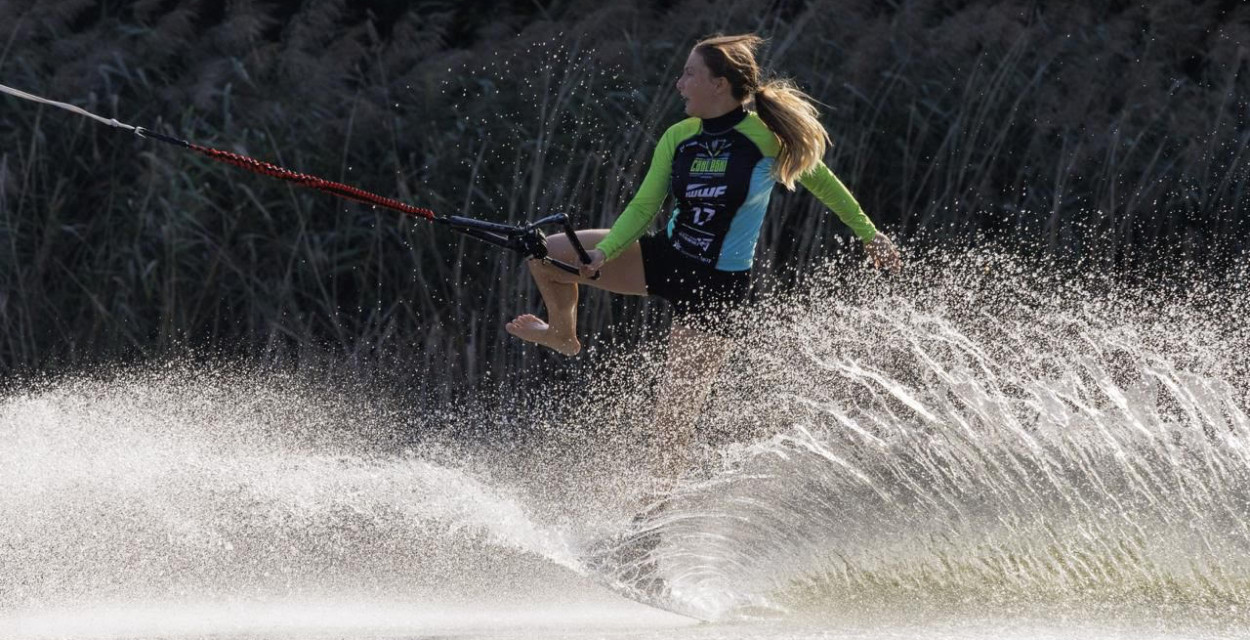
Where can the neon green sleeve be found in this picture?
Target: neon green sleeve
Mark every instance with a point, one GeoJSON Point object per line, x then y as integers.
{"type": "Point", "coordinates": [829, 190]}
{"type": "Point", "coordinates": [637, 217]}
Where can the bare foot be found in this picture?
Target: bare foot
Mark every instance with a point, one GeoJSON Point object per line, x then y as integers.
{"type": "Point", "coordinates": [528, 327]}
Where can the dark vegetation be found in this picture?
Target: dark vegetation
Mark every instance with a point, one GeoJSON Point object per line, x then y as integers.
{"type": "Point", "coordinates": [1110, 132]}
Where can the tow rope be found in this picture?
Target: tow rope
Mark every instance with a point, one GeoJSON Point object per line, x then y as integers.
{"type": "Point", "coordinates": [528, 240]}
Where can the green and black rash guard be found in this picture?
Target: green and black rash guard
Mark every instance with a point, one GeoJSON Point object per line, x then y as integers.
{"type": "Point", "coordinates": [720, 174]}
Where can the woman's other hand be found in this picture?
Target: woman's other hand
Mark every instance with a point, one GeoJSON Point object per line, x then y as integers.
{"type": "Point", "coordinates": [883, 253]}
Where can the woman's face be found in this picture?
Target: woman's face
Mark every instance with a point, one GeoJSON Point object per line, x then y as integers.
{"type": "Point", "coordinates": [703, 92]}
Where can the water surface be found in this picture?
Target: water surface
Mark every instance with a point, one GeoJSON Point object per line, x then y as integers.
{"type": "Point", "coordinates": [975, 450]}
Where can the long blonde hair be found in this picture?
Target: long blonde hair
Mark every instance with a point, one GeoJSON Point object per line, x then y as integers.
{"type": "Point", "coordinates": [788, 112]}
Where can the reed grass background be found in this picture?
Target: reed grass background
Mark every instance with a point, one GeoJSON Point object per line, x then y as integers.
{"type": "Point", "coordinates": [1110, 133]}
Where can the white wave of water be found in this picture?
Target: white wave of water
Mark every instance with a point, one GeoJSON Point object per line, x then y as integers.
{"type": "Point", "coordinates": [982, 445]}
{"type": "Point", "coordinates": [971, 441]}
{"type": "Point", "coordinates": [144, 486]}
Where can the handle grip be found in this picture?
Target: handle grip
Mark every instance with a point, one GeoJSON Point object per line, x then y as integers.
{"type": "Point", "coordinates": [567, 225]}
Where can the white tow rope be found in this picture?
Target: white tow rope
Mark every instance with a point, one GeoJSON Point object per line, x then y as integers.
{"type": "Point", "coordinates": [112, 122]}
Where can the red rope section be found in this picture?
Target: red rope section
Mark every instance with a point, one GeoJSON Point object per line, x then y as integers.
{"type": "Point", "coordinates": [321, 184]}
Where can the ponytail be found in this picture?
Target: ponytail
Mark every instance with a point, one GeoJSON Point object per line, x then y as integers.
{"type": "Point", "coordinates": [790, 114]}
{"type": "Point", "coordinates": [787, 111]}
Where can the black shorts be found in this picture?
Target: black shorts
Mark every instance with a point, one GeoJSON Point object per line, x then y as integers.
{"type": "Point", "coordinates": [691, 288]}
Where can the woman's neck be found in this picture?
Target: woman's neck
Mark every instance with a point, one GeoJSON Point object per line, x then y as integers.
{"type": "Point", "coordinates": [723, 109]}
{"type": "Point", "coordinates": [725, 121]}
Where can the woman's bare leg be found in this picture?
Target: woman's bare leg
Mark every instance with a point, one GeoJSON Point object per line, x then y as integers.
{"type": "Point", "coordinates": [694, 360]}
{"type": "Point", "coordinates": [559, 290]}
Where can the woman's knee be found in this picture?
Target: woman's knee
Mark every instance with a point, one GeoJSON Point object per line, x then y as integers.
{"type": "Point", "coordinates": [540, 268]}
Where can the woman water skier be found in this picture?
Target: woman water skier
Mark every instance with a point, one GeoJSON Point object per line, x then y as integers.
{"type": "Point", "coordinates": [720, 166]}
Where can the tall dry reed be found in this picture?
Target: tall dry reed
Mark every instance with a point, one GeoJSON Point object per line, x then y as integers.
{"type": "Point", "coordinates": [1111, 133]}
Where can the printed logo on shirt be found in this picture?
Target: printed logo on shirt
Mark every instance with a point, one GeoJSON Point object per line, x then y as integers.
{"type": "Point", "coordinates": [711, 159]}
{"type": "Point", "coordinates": [700, 190]}
{"type": "Point", "coordinates": [708, 167]}
{"type": "Point", "coordinates": [716, 147]}
{"type": "Point", "coordinates": [692, 238]}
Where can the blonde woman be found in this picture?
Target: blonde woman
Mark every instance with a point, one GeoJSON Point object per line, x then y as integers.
{"type": "Point", "coordinates": [720, 165]}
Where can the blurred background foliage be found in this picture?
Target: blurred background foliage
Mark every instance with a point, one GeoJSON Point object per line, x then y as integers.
{"type": "Point", "coordinates": [1109, 133]}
